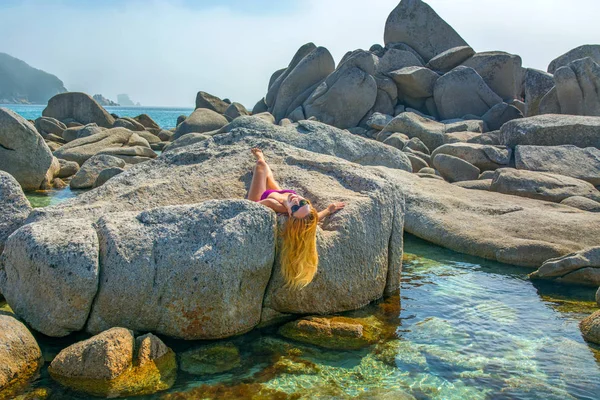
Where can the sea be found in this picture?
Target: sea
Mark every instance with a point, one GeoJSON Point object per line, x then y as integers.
{"type": "Point", "coordinates": [165, 117]}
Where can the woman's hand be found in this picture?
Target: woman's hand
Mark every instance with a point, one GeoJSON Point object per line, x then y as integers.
{"type": "Point", "coordinates": [335, 207]}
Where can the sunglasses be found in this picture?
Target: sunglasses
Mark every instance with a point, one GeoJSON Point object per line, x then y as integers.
{"type": "Point", "coordinates": [302, 203]}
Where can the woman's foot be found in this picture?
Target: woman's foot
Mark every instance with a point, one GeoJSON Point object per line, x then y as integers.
{"type": "Point", "coordinates": [258, 154]}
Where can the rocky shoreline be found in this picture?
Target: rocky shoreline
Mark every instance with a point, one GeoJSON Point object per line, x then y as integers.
{"type": "Point", "coordinates": [470, 151]}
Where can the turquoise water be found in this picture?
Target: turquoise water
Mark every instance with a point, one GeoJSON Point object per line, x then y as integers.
{"type": "Point", "coordinates": [165, 117]}
{"type": "Point", "coordinates": [462, 328]}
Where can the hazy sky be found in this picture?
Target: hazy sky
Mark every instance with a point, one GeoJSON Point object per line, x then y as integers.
{"type": "Point", "coordinates": [163, 52]}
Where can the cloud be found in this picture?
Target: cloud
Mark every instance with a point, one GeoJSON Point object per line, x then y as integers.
{"type": "Point", "coordinates": [162, 52]}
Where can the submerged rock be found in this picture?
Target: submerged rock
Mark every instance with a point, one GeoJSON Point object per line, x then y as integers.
{"type": "Point", "coordinates": [590, 328]}
{"type": "Point", "coordinates": [334, 332]}
{"type": "Point", "coordinates": [114, 364]}
{"type": "Point", "coordinates": [211, 359]}
{"type": "Point", "coordinates": [20, 356]}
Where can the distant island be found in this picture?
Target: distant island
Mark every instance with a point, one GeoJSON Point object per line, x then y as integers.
{"type": "Point", "coordinates": [20, 83]}
{"type": "Point", "coordinates": [103, 101]}
{"type": "Point", "coordinates": [124, 100]}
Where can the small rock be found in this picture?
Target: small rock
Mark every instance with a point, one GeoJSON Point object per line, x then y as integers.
{"type": "Point", "coordinates": [480, 184]}
{"type": "Point", "coordinates": [416, 162]}
{"type": "Point", "coordinates": [67, 168]}
{"type": "Point", "coordinates": [500, 114]}
{"type": "Point", "coordinates": [454, 169]}
{"type": "Point", "coordinates": [106, 174]}
{"type": "Point", "coordinates": [417, 145]}
{"type": "Point", "coordinates": [541, 185]}
{"type": "Point", "coordinates": [378, 120]}
{"type": "Point", "coordinates": [582, 203]}
{"type": "Point", "coordinates": [90, 170]}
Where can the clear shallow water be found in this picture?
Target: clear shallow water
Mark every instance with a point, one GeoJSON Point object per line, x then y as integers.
{"type": "Point", "coordinates": [465, 328]}
{"type": "Point", "coordinates": [165, 117]}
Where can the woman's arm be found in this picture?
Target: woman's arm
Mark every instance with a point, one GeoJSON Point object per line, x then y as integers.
{"type": "Point", "coordinates": [332, 208]}
{"type": "Point", "coordinates": [274, 205]}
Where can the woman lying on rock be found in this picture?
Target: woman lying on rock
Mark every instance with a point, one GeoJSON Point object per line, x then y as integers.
{"type": "Point", "coordinates": [298, 253]}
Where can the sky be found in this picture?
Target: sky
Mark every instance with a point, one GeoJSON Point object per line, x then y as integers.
{"type": "Point", "coordinates": [162, 52]}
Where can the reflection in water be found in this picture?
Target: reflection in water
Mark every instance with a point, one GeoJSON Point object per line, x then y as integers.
{"type": "Point", "coordinates": [462, 328]}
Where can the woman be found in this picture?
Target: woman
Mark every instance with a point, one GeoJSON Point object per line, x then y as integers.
{"type": "Point", "coordinates": [298, 253]}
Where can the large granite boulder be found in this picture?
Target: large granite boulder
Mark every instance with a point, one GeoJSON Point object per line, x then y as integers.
{"type": "Point", "coordinates": [301, 82]}
{"type": "Point", "coordinates": [49, 274]}
{"type": "Point", "coordinates": [114, 364]}
{"type": "Point", "coordinates": [536, 84]}
{"type": "Point", "coordinates": [416, 24]}
{"type": "Point", "coordinates": [436, 211]}
{"type": "Point", "coordinates": [587, 50]}
{"type": "Point", "coordinates": [142, 248]}
{"type": "Point", "coordinates": [79, 107]}
{"type": "Point", "coordinates": [181, 259]}
{"type": "Point", "coordinates": [23, 152]}
{"type": "Point", "coordinates": [210, 102]}
{"type": "Point", "coordinates": [14, 207]}
{"type": "Point", "coordinates": [501, 71]}
{"type": "Point", "coordinates": [200, 121]}
{"type": "Point", "coordinates": [235, 110]}
{"type": "Point", "coordinates": [541, 185]}
{"type": "Point", "coordinates": [280, 75]}
{"type": "Point", "coordinates": [578, 87]}
{"type": "Point", "coordinates": [89, 171]}
{"type": "Point", "coordinates": [484, 157]}
{"type": "Point", "coordinates": [80, 150]}
{"type": "Point", "coordinates": [582, 268]}
{"type": "Point", "coordinates": [347, 94]}
{"type": "Point", "coordinates": [462, 91]}
{"type": "Point", "coordinates": [567, 160]}
{"type": "Point", "coordinates": [552, 130]}
{"type": "Point", "coordinates": [20, 356]}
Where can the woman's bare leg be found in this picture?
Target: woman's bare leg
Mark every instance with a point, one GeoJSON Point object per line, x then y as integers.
{"type": "Point", "coordinates": [271, 182]}
{"type": "Point", "coordinates": [259, 176]}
